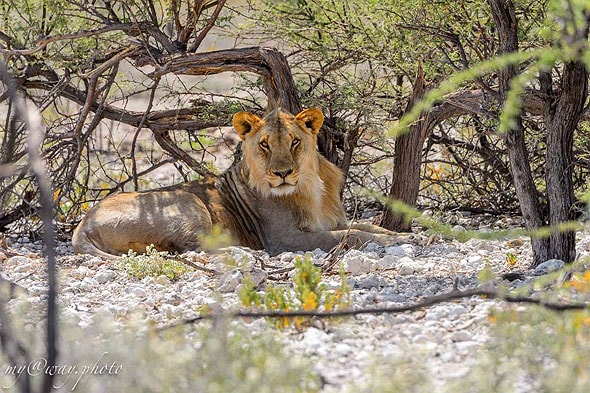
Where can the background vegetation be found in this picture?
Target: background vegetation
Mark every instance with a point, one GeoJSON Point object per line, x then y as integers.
{"type": "Point", "coordinates": [478, 106]}
{"type": "Point", "coordinates": [131, 98]}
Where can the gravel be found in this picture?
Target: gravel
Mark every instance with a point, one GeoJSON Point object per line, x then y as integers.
{"type": "Point", "coordinates": [450, 335]}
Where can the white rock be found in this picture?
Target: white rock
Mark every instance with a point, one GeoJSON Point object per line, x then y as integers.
{"type": "Point", "coordinates": [257, 276]}
{"type": "Point", "coordinates": [467, 346]}
{"type": "Point", "coordinates": [436, 313]}
{"type": "Point", "coordinates": [230, 281]}
{"type": "Point", "coordinates": [405, 250]}
{"type": "Point", "coordinates": [356, 262]}
{"type": "Point", "coordinates": [17, 261]}
{"type": "Point", "coordinates": [461, 335]}
{"type": "Point", "coordinates": [422, 339]}
{"type": "Point", "coordinates": [314, 337]}
{"type": "Point", "coordinates": [319, 253]}
{"type": "Point", "coordinates": [148, 280]}
{"type": "Point", "coordinates": [343, 349]}
{"type": "Point", "coordinates": [139, 292]}
{"type": "Point", "coordinates": [552, 265]}
{"type": "Point", "coordinates": [456, 310]}
{"type": "Point", "coordinates": [474, 259]}
{"type": "Point", "coordinates": [372, 247]}
{"type": "Point", "coordinates": [162, 280]}
{"type": "Point", "coordinates": [406, 266]}
{"type": "Point", "coordinates": [81, 272]}
{"type": "Point", "coordinates": [387, 262]}
{"type": "Point", "coordinates": [88, 283]}
{"type": "Point", "coordinates": [105, 276]}
{"type": "Point", "coordinates": [26, 267]}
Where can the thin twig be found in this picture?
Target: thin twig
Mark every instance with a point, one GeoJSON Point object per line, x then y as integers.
{"type": "Point", "coordinates": [193, 265]}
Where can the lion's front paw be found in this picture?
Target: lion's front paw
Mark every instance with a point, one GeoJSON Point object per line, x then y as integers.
{"type": "Point", "coordinates": [397, 239]}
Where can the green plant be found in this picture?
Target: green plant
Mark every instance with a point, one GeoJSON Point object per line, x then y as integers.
{"type": "Point", "coordinates": [511, 259]}
{"type": "Point", "coordinates": [225, 357]}
{"type": "Point", "coordinates": [153, 263]}
{"type": "Point", "coordinates": [247, 293]}
{"type": "Point", "coordinates": [308, 293]}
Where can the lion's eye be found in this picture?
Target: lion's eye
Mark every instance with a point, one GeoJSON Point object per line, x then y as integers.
{"type": "Point", "coordinates": [295, 142]}
{"type": "Point", "coordinates": [264, 145]}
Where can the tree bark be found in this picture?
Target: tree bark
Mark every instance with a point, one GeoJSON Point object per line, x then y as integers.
{"type": "Point", "coordinates": [407, 161]}
{"type": "Point", "coordinates": [507, 27]}
{"type": "Point", "coordinates": [561, 118]}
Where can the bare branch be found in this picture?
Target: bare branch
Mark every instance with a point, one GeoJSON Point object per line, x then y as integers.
{"type": "Point", "coordinates": [430, 301]}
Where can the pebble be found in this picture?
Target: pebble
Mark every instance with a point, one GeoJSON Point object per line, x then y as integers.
{"type": "Point", "coordinates": [230, 281]}
{"type": "Point", "coordinates": [357, 262]}
{"type": "Point", "coordinates": [549, 266]}
{"type": "Point", "coordinates": [139, 292]}
{"type": "Point", "coordinates": [405, 250]}
{"type": "Point", "coordinates": [461, 335]}
{"type": "Point", "coordinates": [387, 262]}
{"type": "Point", "coordinates": [22, 268]}
{"type": "Point", "coordinates": [406, 266]}
{"type": "Point", "coordinates": [105, 276]}
{"type": "Point", "coordinates": [378, 276]}
{"type": "Point", "coordinates": [162, 280]}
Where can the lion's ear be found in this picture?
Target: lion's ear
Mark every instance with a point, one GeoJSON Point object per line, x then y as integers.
{"type": "Point", "coordinates": [245, 122]}
{"type": "Point", "coordinates": [313, 118]}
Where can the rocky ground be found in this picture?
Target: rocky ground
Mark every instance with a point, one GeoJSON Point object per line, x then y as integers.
{"type": "Point", "coordinates": [448, 335]}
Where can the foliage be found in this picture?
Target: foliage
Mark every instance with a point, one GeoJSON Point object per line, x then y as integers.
{"type": "Point", "coordinates": [153, 263]}
{"type": "Point", "coordinates": [308, 293]}
{"type": "Point", "coordinates": [80, 63]}
{"type": "Point", "coordinates": [214, 359]}
{"type": "Point", "coordinates": [358, 60]}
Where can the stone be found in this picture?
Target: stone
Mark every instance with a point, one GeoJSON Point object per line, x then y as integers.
{"type": "Point", "coordinates": [257, 276]}
{"type": "Point", "coordinates": [343, 349]}
{"type": "Point", "coordinates": [17, 261]}
{"type": "Point", "coordinates": [405, 250]}
{"type": "Point", "coordinates": [461, 335]}
{"type": "Point", "coordinates": [387, 262]}
{"type": "Point", "coordinates": [371, 281]}
{"type": "Point", "coordinates": [88, 284]}
{"type": "Point", "coordinates": [105, 276]}
{"type": "Point", "coordinates": [162, 280]}
{"type": "Point", "coordinates": [26, 267]}
{"type": "Point", "coordinates": [139, 292]}
{"type": "Point", "coordinates": [407, 266]}
{"type": "Point", "coordinates": [372, 247]}
{"type": "Point", "coordinates": [549, 266]}
{"type": "Point", "coordinates": [356, 262]}
{"type": "Point", "coordinates": [456, 310]}
{"type": "Point", "coordinates": [474, 259]}
{"type": "Point", "coordinates": [230, 281]}
{"type": "Point", "coordinates": [314, 337]}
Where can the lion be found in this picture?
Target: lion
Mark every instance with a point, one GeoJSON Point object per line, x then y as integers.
{"type": "Point", "coordinates": [282, 195]}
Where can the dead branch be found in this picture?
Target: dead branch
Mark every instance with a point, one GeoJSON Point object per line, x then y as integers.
{"type": "Point", "coordinates": [430, 301]}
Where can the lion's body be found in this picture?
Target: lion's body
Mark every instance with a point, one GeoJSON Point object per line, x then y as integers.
{"type": "Point", "coordinates": [282, 196]}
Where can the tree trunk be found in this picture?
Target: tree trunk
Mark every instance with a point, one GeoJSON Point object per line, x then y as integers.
{"type": "Point", "coordinates": [526, 191]}
{"type": "Point", "coordinates": [561, 118]}
{"type": "Point", "coordinates": [407, 161]}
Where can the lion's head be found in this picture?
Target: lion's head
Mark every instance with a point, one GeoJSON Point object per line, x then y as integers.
{"type": "Point", "coordinates": [280, 151]}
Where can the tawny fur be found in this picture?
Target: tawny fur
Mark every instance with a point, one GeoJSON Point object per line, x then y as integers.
{"type": "Point", "coordinates": [282, 196]}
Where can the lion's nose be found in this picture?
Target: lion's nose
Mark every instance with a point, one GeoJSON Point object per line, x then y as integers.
{"type": "Point", "coordinates": [283, 174]}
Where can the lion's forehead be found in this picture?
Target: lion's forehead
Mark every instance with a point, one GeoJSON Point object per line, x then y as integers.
{"type": "Point", "coordinates": [279, 129]}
